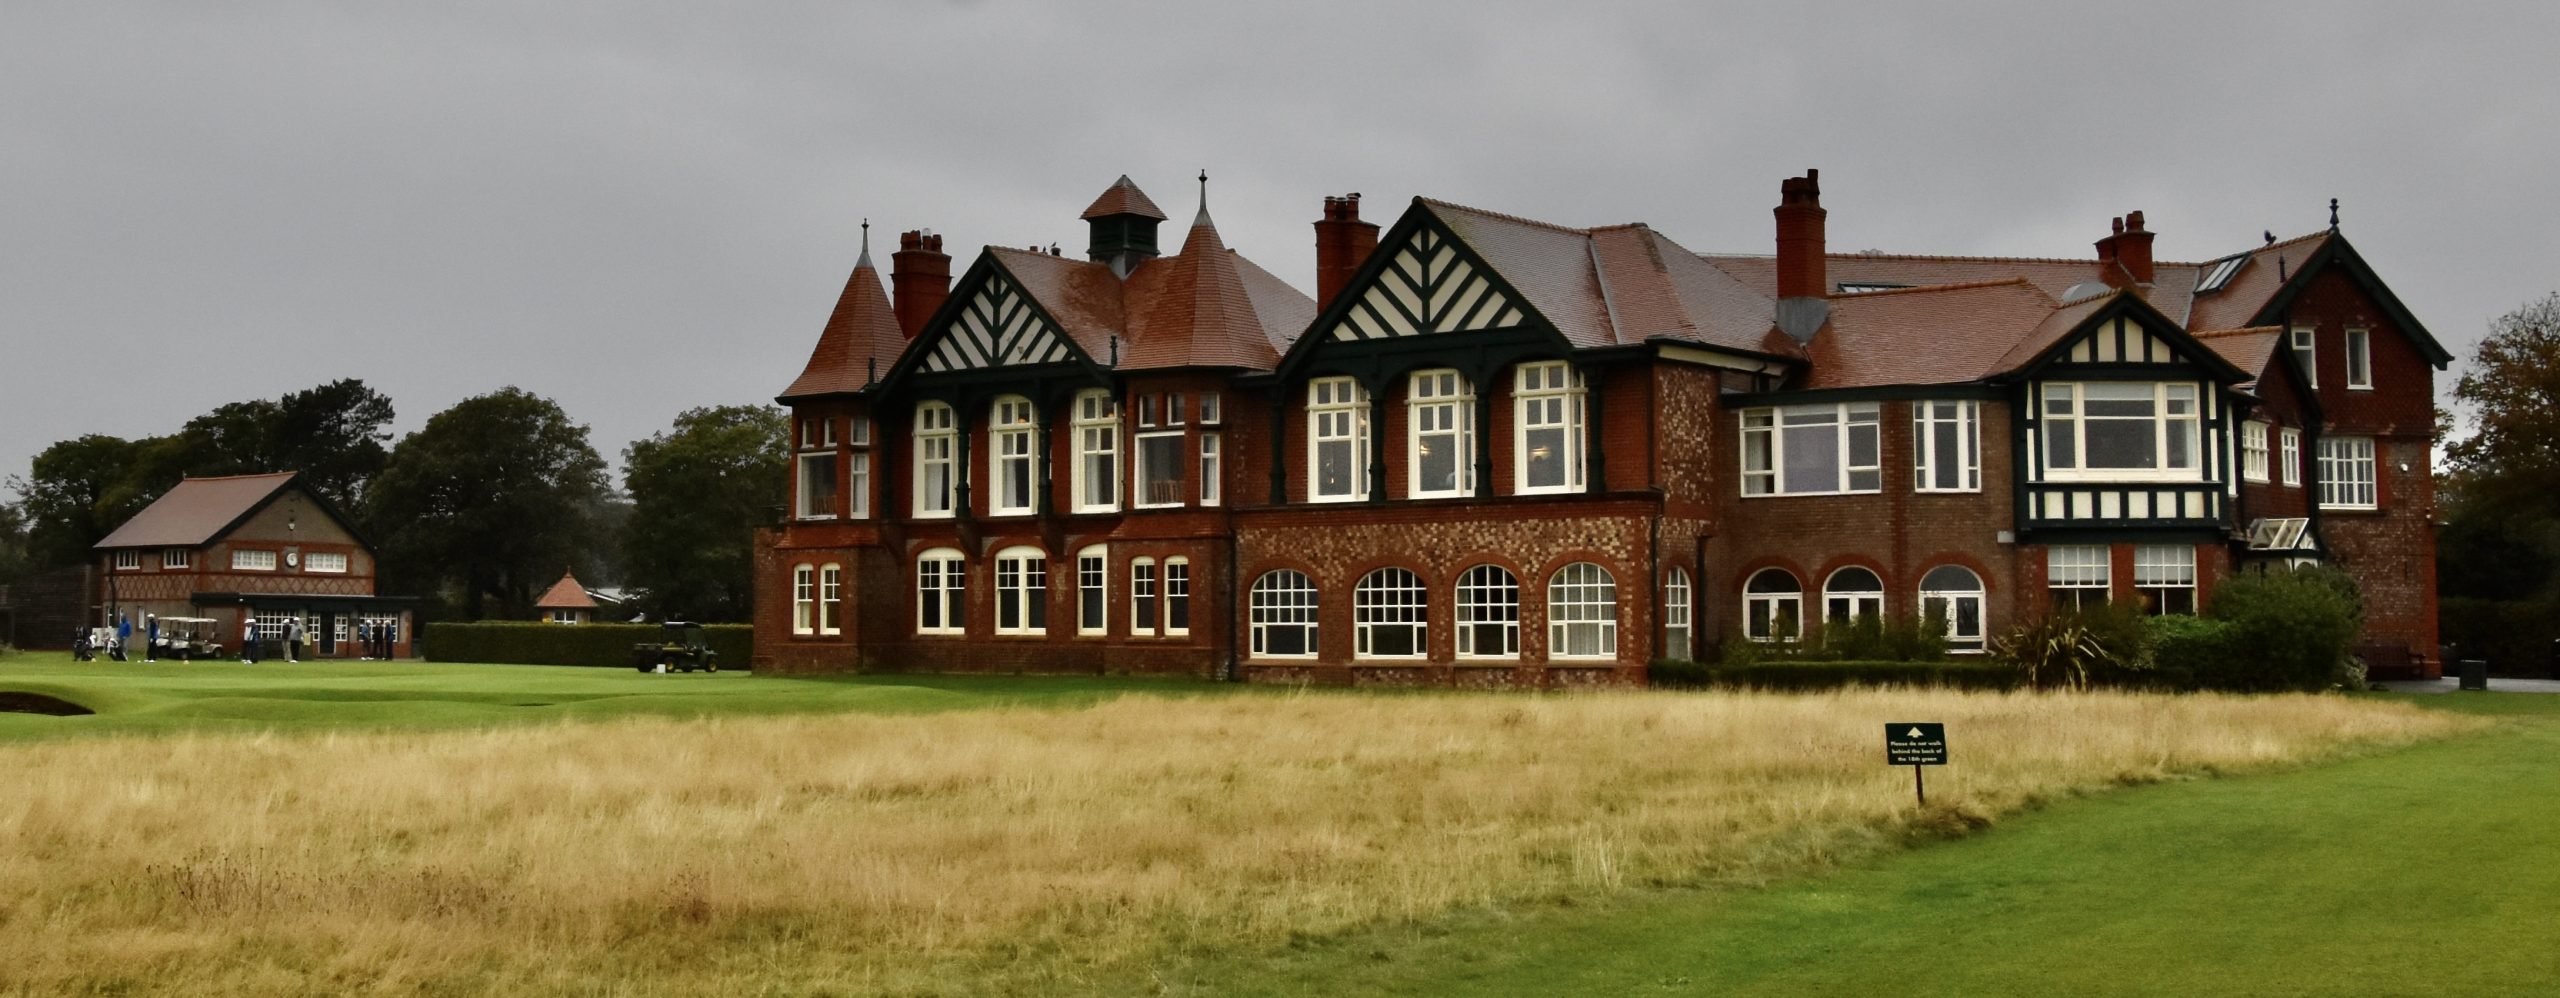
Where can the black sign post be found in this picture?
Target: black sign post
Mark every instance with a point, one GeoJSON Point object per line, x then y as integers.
{"type": "Point", "coordinates": [1916, 744]}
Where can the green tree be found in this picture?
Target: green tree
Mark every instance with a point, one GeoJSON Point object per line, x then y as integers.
{"type": "Point", "coordinates": [2513, 388]}
{"type": "Point", "coordinates": [487, 502]}
{"type": "Point", "coordinates": [334, 434]}
{"type": "Point", "coordinates": [2498, 554]}
{"type": "Point", "coordinates": [698, 491]}
{"type": "Point", "coordinates": [14, 563]}
{"type": "Point", "coordinates": [77, 491]}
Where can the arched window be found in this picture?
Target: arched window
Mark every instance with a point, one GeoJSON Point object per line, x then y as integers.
{"type": "Point", "coordinates": [1772, 604]}
{"type": "Point", "coordinates": [1388, 618]}
{"type": "Point", "coordinates": [1488, 613]}
{"type": "Point", "coordinates": [1282, 615]}
{"type": "Point", "coordinates": [1013, 449]}
{"type": "Point", "coordinates": [1337, 440]}
{"type": "Point", "coordinates": [831, 599]}
{"type": "Point", "coordinates": [942, 592]}
{"type": "Point", "coordinates": [1675, 615]}
{"type": "Point", "coordinates": [804, 598]}
{"type": "Point", "coordinates": [1022, 591]}
{"type": "Point", "coordinates": [1441, 411]}
{"type": "Point", "coordinates": [1852, 593]}
{"type": "Point", "coordinates": [1097, 452]}
{"type": "Point", "coordinates": [1582, 612]}
{"type": "Point", "coordinates": [937, 459]}
{"type": "Point", "coordinates": [1952, 593]}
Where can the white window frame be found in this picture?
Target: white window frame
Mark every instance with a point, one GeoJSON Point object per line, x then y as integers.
{"type": "Point", "coordinates": [1949, 602]}
{"type": "Point", "coordinates": [129, 560]}
{"type": "Point", "coordinates": [1177, 597]}
{"type": "Point", "coordinates": [252, 560]}
{"type": "Point", "coordinates": [1141, 491]}
{"type": "Point", "coordinates": [1386, 603]}
{"type": "Point", "coordinates": [858, 483]}
{"type": "Point", "coordinates": [1861, 602]}
{"type": "Point", "coordinates": [1022, 591]}
{"type": "Point", "coordinates": [1013, 457]}
{"type": "Point", "coordinates": [1211, 481]}
{"type": "Point", "coordinates": [2350, 473]}
{"type": "Point", "coordinates": [2082, 570]}
{"type": "Point", "coordinates": [858, 432]}
{"type": "Point", "coordinates": [1209, 413]}
{"type": "Point", "coordinates": [2253, 451]}
{"type": "Point", "coordinates": [1548, 395]}
{"type": "Point", "coordinates": [1678, 607]}
{"type": "Point", "coordinates": [808, 503]}
{"type": "Point", "coordinates": [831, 598]}
{"type": "Point", "coordinates": [2359, 360]}
{"type": "Point", "coordinates": [325, 562]}
{"type": "Point", "coordinates": [804, 599]}
{"type": "Point", "coordinates": [937, 443]}
{"type": "Point", "coordinates": [1582, 603]}
{"type": "Point", "coordinates": [1442, 398]}
{"type": "Point", "coordinates": [1337, 414]}
{"type": "Point", "coordinates": [1283, 598]}
{"type": "Point", "coordinates": [1488, 597]}
{"type": "Point", "coordinates": [1145, 617]}
{"type": "Point", "coordinates": [1097, 475]}
{"type": "Point", "coordinates": [944, 591]}
{"type": "Point", "coordinates": [175, 558]}
{"type": "Point", "coordinates": [1093, 591]}
{"type": "Point", "coordinates": [2305, 342]}
{"type": "Point", "coordinates": [2291, 455]}
{"type": "Point", "coordinates": [2161, 569]}
{"type": "Point", "coordinates": [1928, 457]}
{"type": "Point", "coordinates": [1764, 447]}
{"type": "Point", "coordinates": [2164, 424]}
{"type": "Point", "coordinates": [1764, 611]}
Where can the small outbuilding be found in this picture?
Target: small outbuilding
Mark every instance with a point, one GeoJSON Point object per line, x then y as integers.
{"type": "Point", "coordinates": [568, 602]}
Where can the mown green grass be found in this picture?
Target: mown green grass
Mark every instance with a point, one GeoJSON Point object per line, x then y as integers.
{"type": "Point", "coordinates": [2432, 870]}
{"type": "Point", "coordinates": [166, 698]}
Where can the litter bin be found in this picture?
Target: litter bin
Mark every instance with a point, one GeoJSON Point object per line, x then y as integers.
{"type": "Point", "coordinates": [2475, 674]}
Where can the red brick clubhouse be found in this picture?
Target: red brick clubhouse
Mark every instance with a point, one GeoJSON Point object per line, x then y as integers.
{"type": "Point", "coordinates": [1498, 452]}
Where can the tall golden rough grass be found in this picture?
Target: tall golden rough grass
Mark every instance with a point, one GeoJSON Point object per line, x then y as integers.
{"type": "Point", "coordinates": [1019, 849]}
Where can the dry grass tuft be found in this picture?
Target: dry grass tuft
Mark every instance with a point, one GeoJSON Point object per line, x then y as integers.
{"type": "Point", "coordinates": [1038, 849]}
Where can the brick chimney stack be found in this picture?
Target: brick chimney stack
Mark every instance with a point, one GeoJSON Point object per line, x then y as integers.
{"type": "Point", "coordinates": [920, 277]}
{"type": "Point", "coordinates": [1801, 271]}
{"type": "Point", "coordinates": [1343, 243]}
{"type": "Point", "coordinates": [2125, 254]}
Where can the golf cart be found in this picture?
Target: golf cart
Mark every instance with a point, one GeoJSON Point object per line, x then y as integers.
{"type": "Point", "coordinates": [679, 649]}
{"type": "Point", "coordinates": [190, 638]}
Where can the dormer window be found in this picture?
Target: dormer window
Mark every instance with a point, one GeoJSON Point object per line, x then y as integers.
{"type": "Point", "coordinates": [2306, 354]}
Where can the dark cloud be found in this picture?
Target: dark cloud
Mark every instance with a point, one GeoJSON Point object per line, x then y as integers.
{"type": "Point", "coordinates": [636, 210]}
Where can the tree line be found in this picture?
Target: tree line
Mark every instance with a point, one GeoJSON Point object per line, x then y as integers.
{"type": "Point", "coordinates": [478, 511]}
{"type": "Point", "coordinates": [2498, 545]}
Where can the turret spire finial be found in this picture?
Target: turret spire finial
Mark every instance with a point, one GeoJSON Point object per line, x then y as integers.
{"type": "Point", "coordinates": [2333, 213]}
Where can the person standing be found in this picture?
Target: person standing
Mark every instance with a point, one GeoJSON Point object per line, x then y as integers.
{"type": "Point", "coordinates": [364, 640]}
{"type": "Point", "coordinates": [122, 636]}
{"type": "Point", "coordinates": [150, 637]}
{"type": "Point", "coordinates": [249, 641]}
{"type": "Point", "coordinates": [293, 640]}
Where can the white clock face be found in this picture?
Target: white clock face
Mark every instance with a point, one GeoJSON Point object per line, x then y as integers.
{"type": "Point", "coordinates": [292, 558]}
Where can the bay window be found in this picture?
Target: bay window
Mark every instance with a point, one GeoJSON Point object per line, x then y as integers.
{"type": "Point", "coordinates": [817, 496]}
{"type": "Point", "coordinates": [2112, 429]}
{"type": "Point", "coordinates": [937, 441]}
{"type": "Point", "coordinates": [1946, 446]}
{"type": "Point", "coordinates": [1097, 452]}
{"type": "Point", "coordinates": [2347, 473]}
{"type": "Point", "coordinates": [1441, 411]}
{"type": "Point", "coordinates": [1812, 450]}
{"type": "Point", "coordinates": [1547, 413]}
{"type": "Point", "coordinates": [1015, 456]}
{"type": "Point", "coordinates": [1338, 438]}
{"type": "Point", "coordinates": [1159, 470]}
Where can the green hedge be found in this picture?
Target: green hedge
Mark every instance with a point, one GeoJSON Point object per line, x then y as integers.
{"type": "Point", "coordinates": [519, 643]}
{"type": "Point", "coordinates": [1972, 674]}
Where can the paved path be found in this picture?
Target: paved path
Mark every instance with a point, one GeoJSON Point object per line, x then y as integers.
{"type": "Point", "coordinates": [2497, 684]}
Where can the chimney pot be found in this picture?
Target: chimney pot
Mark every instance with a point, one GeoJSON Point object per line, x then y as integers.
{"type": "Point", "coordinates": [1802, 269]}
{"type": "Point", "coordinates": [1343, 243]}
{"type": "Point", "coordinates": [920, 279]}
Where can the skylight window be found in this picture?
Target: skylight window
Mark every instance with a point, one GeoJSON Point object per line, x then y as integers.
{"type": "Point", "coordinates": [1867, 287]}
{"type": "Point", "coordinates": [2218, 273]}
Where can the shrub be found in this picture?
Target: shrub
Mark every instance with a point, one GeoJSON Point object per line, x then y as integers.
{"type": "Point", "coordinates": [519, 643]}
{"type": "Point", "coordinates": [1802, 674]}
{"type": "Point", "coordinates": [2105, 645]}
{"type": "Point", "coordinates": [1868, 638]}
{"type": "Point", "coordinates": [2186, 650]}
{"type": "Point", "coordinates": [2291, 629]}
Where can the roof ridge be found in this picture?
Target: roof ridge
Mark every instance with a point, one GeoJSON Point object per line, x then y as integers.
{"type": "Point", "coordinates": [2252, 251]}
{"type": "Point", "coordinates": [226, 478]}
{"type": "Point", "coordinates": [2206, 334]}
{"type": "Point", "coordinates": [1953, 286]}
{"type": "Point", "coordinates": [1551, 226]}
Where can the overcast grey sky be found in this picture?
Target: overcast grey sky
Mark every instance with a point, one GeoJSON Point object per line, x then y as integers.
{"type": "Point", "coordinates": [638, 208]}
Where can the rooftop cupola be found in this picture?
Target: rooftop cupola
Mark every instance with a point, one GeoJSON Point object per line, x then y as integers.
{"type": "Point", "coordinates": [1123, 223]}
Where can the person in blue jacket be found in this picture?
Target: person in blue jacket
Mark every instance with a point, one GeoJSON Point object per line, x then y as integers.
{"type": "Point", "coordinates": [249, 641]}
